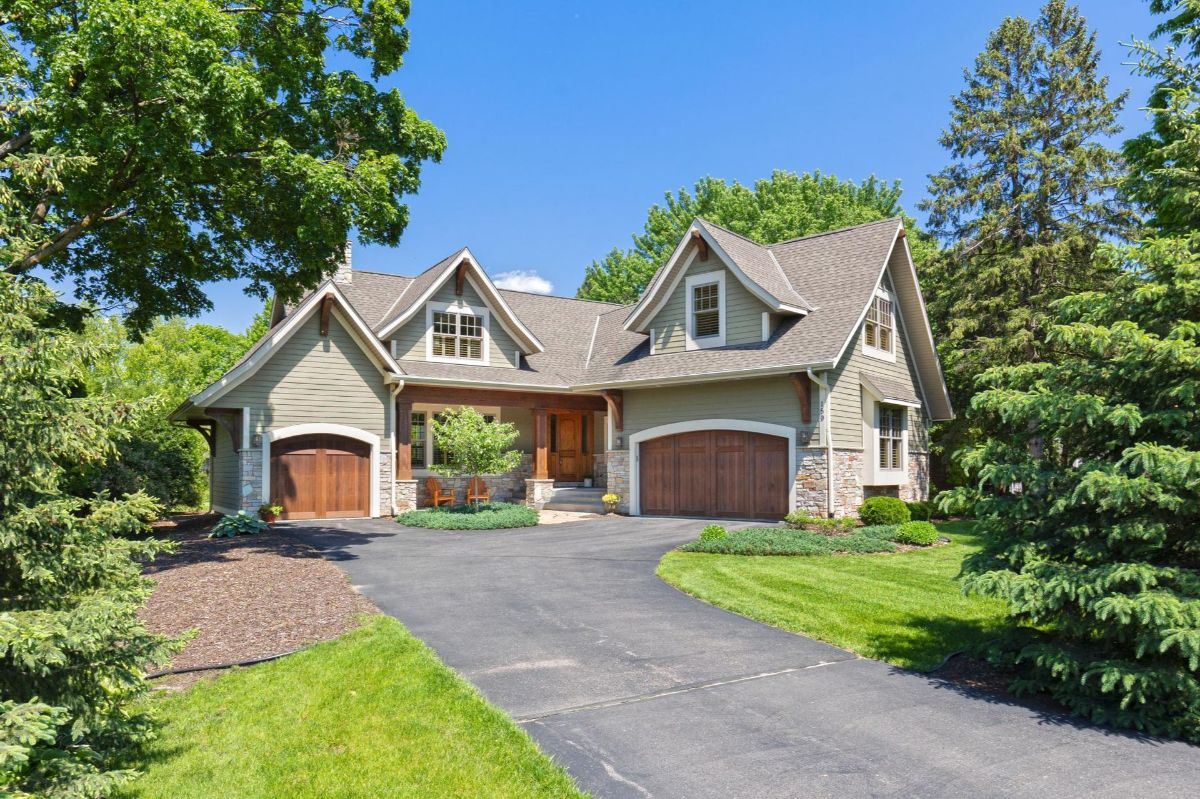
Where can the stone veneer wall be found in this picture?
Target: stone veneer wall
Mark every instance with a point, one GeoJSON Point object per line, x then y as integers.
{"type": "Point", "coordinates": [599, 470]}
{"type": "Point", "coordinates": [505, 487]}
{"type": "Point", "coordinates": [250, 484]}
{"type": "Point", "coordinates": [617, 476]}
{"type": "Point", "coordinates": [849, 492]}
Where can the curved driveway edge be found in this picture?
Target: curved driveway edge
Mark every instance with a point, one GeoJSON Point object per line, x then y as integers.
{"type": "Point", "coordinates": [641, 691]}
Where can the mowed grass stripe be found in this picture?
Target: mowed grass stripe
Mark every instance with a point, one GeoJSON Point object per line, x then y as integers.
{"type": "Point", "coordinates": [906, 608]}
{"type": "Point", "coordinates": [371, 714]}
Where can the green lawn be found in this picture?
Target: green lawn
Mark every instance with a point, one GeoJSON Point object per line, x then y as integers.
{"type": "Point", "coordinates": [371, 714]}
{"type": "Point", "coordinates": [905, 608]}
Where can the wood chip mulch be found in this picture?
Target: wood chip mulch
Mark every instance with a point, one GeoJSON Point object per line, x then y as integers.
{"type": "Point", "coordinates": [248, 597]}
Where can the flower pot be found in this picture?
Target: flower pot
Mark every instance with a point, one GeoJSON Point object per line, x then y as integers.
{"type": "Point", "coordinates": [269, 518]}
{"type": "Point", "coordinates": [610, 507]}
{"type": "Point", "coordinates": [587, 482]}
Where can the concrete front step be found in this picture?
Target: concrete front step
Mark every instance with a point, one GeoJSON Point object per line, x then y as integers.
{"type": "Point", "coordinates": [577, 500]}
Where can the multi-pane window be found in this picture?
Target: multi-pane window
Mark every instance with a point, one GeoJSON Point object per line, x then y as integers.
{"type": "Point", "coordinates": [881, 325]}
{"type": "Point", "coordinates": [457, 335]}
{"type": "Point", "coordinates": [891, 437]}
{"type": "Point", "coordinates": [419, 431]}
{"type": "Point", "coordinates": [706, 310]}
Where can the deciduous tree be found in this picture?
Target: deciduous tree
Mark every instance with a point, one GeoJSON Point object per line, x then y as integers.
{"type": "Point", "coordinates": [784, 206]}
{"type": "Point", "coordinates": [150, 146]}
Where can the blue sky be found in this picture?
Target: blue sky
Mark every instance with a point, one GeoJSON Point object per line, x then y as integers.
{"type": "Point", "coordinates": [566, 120]}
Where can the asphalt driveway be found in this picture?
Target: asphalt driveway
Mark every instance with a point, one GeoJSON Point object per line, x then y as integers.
{"type": "Point", "coordinates": [641, 691]}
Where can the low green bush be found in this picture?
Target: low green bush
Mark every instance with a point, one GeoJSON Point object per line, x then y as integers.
{"type": "Point", "coordinates": [799, 518]}
{"type": "Point", "coordinates": [920, 511]}
{"type": "Point", "coordinates": [241, 523]}
{"type": "Point", "coordinates": [884, 532]}
{"type": "Point", "coordinates": [883, 510]}
{"type": "Point", "coordinates": [916, 532]}
{"type": "Point", "coordinates": [493, 516]}
{"type": "Point", "coordinates": [785, 541]}
{"type": "Point", "coordinates": [713, 532]}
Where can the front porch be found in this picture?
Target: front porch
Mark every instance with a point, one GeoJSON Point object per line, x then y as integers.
{"type": "Point", "coordinates": [563, 439]}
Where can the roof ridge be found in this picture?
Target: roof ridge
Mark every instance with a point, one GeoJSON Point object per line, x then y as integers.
{"type": "Point", "coordinates": [560, 297]}
{"type": "Point", "coordinates": [377, 272]}
{"type": "Point", "coordinates": [899, 219]}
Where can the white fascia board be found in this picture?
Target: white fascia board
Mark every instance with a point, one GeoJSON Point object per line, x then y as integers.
{"type": "Point", "coordinates": [357, 327]}
{"type": "Point", "coordinates": [703, 377]}
{"type": "Point", "coordinates": [508, 318]}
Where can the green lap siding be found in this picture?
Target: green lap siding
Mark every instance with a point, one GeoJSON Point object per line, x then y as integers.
{"type": "Point", "coordinates": [313, 379]}
{"type": "Point", "coordinates": [225, 468]}
{"type": "Point", "coordinates": [743, 311]}
{"type": "Point", "coordinates": [846, 399]}
{"type": "Point", "coordinates": [771, 399]}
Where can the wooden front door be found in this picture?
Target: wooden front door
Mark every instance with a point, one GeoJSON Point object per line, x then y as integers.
{"type": "Point", "coordinates": [714, 473]}
{"type": "Point", "coordinates": [568, 454]}
{"type": "Point", "coordinates": [321, 476]}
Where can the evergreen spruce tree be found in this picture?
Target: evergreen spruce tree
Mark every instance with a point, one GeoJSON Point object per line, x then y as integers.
{"type": "Point", "coordinates": [1094, 532]}
{"type": "Point", "coordinates": [72, 649]}
{"type": "Point", "coordinates": [1026, 200]}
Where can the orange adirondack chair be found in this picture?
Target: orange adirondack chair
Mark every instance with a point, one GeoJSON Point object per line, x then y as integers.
{"type": "Point", "coordinates": [436, 497]}
{"type": "Point", "coordinates": [478, 490]}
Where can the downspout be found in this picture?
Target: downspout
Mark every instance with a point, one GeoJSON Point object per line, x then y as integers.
{"type": "Point", "coordinates": [395, 389]}
{"type": "Point", "coordinates": [827, 437]}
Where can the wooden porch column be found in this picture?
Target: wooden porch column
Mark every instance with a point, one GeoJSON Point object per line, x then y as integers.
{"type": "Point", "coordinates": [403, 439]}
{"type": "Point", "coordinates": [615, 398]}
{"type": "Point", "coordinates": [541, 444]}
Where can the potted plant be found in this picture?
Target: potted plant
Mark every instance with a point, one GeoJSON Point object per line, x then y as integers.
{"type": "Point", "coordinates": [610, 502]}
{"type": "Point", "coordinates": [587, 481]}
{"type": "Point", "coordinates": [270, 512]}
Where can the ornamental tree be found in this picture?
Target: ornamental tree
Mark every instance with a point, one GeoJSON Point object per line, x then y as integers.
{"type": "Point", "coordinates": [472, 445]}
{"type": "Point", "coordinates": [148, 147]}
{"type": "Point", "coordinates": [72, 649]}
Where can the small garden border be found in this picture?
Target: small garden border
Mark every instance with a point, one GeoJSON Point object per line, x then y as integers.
{"type": "Point", "coordinates": [492, 516]}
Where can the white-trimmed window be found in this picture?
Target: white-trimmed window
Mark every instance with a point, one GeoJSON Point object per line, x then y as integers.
{"type": "Point", "coordinates": [457, 333]}
{"type": "Point", "coordinates": [705, 310]}
{"type": "Point", "coordinates": [891, 438]}
{"type": "Point", "coordinates": [879, 329]}
{"type": "Point", "coordinates": [424, 448]}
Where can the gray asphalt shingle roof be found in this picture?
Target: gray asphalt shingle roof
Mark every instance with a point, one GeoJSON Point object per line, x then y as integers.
{"type": "Point", "coordinates": [830, 274]}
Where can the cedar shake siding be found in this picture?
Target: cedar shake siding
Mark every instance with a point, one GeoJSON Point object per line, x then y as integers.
{"type": "Point", "coordinates": [743, 311]}
{"type": "Point", "coordinates": [410, 339]}
{"type": "Point", "coordinates": [316, 379]}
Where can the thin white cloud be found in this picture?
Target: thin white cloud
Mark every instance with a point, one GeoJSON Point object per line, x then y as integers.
{"type": "Point", "coordinates": [524, 280]}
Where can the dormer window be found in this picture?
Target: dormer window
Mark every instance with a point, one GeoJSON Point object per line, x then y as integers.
{"type": "Point", "coordinates": [457, 333]}
{"type": "Point", "coordinates": [879, 329]}
{"type": "Point", "coordinates": [705, 310]}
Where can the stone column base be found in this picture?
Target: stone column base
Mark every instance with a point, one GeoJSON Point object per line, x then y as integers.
{"type": "Point", "coordinates": [538, 493]}
{"type": "Point", "coordinates": [406, 495]}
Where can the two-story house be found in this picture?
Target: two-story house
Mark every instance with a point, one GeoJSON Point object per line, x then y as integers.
{"type": "Point", "coordinates": [749, 380]}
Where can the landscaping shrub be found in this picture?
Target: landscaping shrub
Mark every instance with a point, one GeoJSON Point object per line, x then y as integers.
{"type": "Point", "coordinates": [916, 532]}
{"type": "Point", "coordinates": [241, 523]}
{"type": "Point", "coordinates": [784, 541]}
{"type": "Point", "coordinates": [799, 518]}
{"type": "Point", "coordinates": [884, 532]}
{"type": "Point", "coordinates": [713, 532]}
{"type": "Point", "coordinates": [494, 516]}
{"type": "Point", "coordinates": [920, 511]}
{"type": "Point", "coordinates": [883, 510]}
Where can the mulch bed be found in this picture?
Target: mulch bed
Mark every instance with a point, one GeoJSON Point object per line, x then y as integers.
{"type": "Point", "coordinates": [248, 597]}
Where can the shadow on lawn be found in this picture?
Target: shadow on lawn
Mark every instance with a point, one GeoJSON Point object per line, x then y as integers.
{"type": "Point", "coordinates": [289, 541]}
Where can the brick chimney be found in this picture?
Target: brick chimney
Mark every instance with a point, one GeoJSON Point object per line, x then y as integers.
{"type": "Point", "coordinates": [344, 273]}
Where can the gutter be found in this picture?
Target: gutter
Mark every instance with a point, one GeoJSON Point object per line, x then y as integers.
{"type": "Point", "coordinates": [827, 437]}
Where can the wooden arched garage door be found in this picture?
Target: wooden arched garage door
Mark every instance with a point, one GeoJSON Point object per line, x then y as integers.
{"type": "Point", "coordinates": [718, 473]}
{"type": "Point", "coordinates": [321, 476]}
